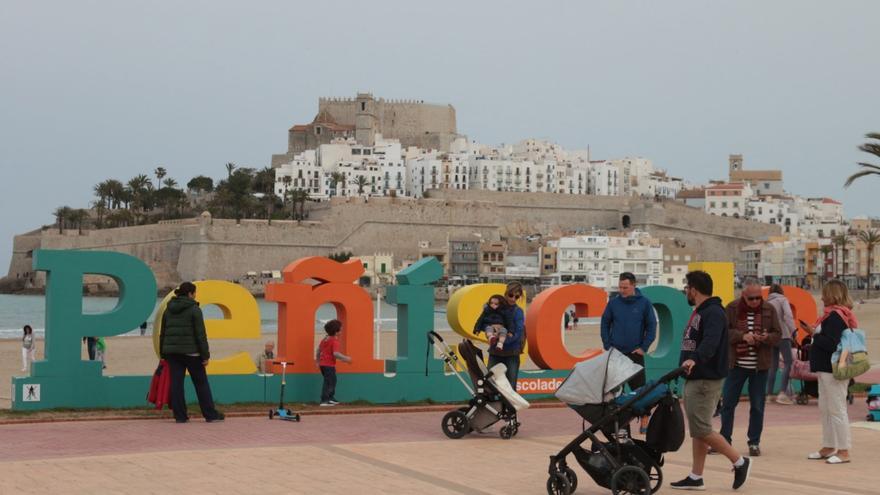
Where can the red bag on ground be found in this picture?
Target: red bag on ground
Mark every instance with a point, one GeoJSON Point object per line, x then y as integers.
{"type": "Point", "coordinates": [160, 386]}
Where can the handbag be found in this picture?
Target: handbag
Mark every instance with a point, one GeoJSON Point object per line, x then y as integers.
{"type": "Point", "coordinates": [851, 358]}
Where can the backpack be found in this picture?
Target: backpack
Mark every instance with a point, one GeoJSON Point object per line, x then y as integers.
{"type": "Point", "coordinates": [666, 428]}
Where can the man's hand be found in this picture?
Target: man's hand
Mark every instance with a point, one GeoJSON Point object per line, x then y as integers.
{"type": "Point", "coordinates": [205, 362]}
{"type": "Point", "coordinates": [689, 365]}
{"type": "Point", "coordinates": [749, 338]}
{"type": "Point", "coordinates": [639, 351]}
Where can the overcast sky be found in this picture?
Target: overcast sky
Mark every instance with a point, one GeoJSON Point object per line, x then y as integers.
{"type": "Point", "coordinates": [92, 90]}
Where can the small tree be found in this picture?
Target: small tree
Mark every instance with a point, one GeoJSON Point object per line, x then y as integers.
{"type": "Point", "coordinates": [360, 181]}
{"type": "Point", "coordinates": [62, 214]}
{"type": "Point", "coordinates": [867, 168]}
{"type": "Point", "coordinates": [230, 167]}
{"type": "Point", "coordinates": [160, 174]}
{"type": "Point", "coordinates": [871, 238]}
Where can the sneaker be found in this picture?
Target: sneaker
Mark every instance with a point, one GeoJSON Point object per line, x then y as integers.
{"type": "Point", "coordinates": [741, 474]}
{"type": "Point", "coordinates": [754, 450]}
{"type": "Point", "coordinates": [327, 404]}
{"type": "Point", "coordinates": [219, 417]}
{"type": "Point", "coordinates": [333, 402]}
{"type": "Point", "coordinates": [688, 483]}
{"type": "Point", "coordinates": [784, 399]}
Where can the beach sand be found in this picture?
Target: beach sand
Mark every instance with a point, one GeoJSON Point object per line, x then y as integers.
{"type": "Point", "coordinates": [135, 356]}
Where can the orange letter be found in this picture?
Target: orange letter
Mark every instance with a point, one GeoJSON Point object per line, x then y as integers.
{"type": "Point", "coordinates": [298, 302]}
{"type": "Point", "coordinates": [543, 323]}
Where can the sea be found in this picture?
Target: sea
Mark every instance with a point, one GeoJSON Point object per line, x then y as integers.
{"type": "Point", "coordinates": [18, 310]}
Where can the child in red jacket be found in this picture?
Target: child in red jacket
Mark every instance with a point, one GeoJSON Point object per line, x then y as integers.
{"type": "Point", "coordinates": [326, 355]}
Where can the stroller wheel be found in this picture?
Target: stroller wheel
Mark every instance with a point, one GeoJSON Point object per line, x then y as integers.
{"type": "Point", "coordinates": [557, 484]}
{"type": "Point", "coordinates": [630, 480]}
{"type": "Point", "coordinates": [506, 432]}
{"type": "Point", "coordinates": [455, 424]}
{"type": "Point", "coordinates": [572, 478]}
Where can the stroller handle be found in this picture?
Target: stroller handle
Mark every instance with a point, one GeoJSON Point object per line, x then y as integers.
{"type": "Point", "coordinates": [432, 336]}
{"type": "Point", "coordinates": [672, 375]}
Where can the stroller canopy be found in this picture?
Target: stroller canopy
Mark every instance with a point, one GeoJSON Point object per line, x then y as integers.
{"type": "Point", "coordinates": [584, 384]}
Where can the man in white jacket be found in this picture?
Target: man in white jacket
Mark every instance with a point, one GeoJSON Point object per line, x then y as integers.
{"type": "Point", "coordinates": [787, 326]}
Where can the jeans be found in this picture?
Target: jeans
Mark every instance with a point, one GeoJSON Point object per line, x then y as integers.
{"type": "Point", "coordinates": [512, 363]}
{"type": "Point", "coordinates": [179, 364]}
{"type": "Point", "coordinates": [733, 386]}
{"type": "Point", "coordinates": [328, 389]}
{"type": "Point", "coordinates": [783, 347]}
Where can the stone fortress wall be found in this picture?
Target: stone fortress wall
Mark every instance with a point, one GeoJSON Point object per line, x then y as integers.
{"type": "Point", "coordinates": [206, 248]}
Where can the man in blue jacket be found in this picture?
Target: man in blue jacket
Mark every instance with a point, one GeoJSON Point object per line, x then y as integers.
{"type": "Point", "coordinates": [630, 326]}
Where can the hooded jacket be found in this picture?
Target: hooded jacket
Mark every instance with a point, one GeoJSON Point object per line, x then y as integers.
{"type": "Point", "coordinates": [705, 341]}
{"type": "Point", "coordinates": [784, 314]}
{"type": "Point", "coordinates": [629, 323]}
{"type": "Point", "coordinates": [183, 329]}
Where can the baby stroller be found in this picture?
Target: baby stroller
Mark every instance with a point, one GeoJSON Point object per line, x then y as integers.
{"type": "Point", "coordinates": [619, 463]}
{"type": "Point", "coordinates": [493, 399]}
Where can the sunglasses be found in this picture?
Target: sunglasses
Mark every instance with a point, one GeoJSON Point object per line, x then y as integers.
{"type": "Point", "coordinates": [756, 298]}
{"type": "Point", "coordinates": [516, 295]}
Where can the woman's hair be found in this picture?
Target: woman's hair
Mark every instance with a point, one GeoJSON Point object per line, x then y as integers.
{"type": "Point", "coordinates": [333, 327]}
{"type": "Point", "coordinates": [776, 289]}
{"type": "Point", "coordinates": [185, 289]}
{"type": "Point", "coordinates": [27, 329]}
{"type": "Point", "coordinates": [514, 287]}
{"type": "Point", "coordinates": [835, 293]}
{"type": "Point", "coordinates": [501, 301]}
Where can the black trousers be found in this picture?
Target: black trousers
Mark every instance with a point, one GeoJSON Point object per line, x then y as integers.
{"type": "Point", "coordinates": [328, 390]}
{"type": "Point", "coordinates": [179, 365]}
{"type": "Point", "coordinates": [92, 346]}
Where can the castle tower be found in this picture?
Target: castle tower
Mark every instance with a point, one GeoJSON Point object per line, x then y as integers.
{"type": "Point", "coordinates": [365, 121]}
{"type": "Point", "coordinates": [736, 164]}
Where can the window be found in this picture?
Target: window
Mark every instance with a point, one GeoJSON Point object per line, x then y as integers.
{"type": "Point", "coordinates": [363, 106]}
{"type": "Point", "coordinates": [382, 269]}
{"type": "Point", "coordinates": [318, 130]}
{"type": "Point", "coordinates": [711, 204]}
{"type": "Point", "coordinates": [724, 204]}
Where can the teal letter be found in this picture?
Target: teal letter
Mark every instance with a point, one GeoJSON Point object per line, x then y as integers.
{"type": "Point", "coordinates": [673, 313]}
{"type": "Point", "coordinates": [414, 296]}
{"type": "Point", "coordinates": [66, 324]}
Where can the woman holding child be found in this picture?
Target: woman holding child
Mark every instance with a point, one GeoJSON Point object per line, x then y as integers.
{"type": "Point", "coordinates": [504, 324]}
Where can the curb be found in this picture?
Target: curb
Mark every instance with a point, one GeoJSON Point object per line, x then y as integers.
{"type": "Point", "coordinates": [254, 414]}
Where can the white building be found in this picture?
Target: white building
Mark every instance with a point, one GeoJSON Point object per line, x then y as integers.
{"type": "Point", "coordinates": [303, 172]}
{"type": "Point", "coordinates": [634, 176]}
{"type": "Point", "coordinates": [523, 266]}
{"type": "Point", "coordinates": [599, 259]}
{"type": "Point", "coordinates": [604, 179]}
{"type": "Point", "coordinates": [728, 200]}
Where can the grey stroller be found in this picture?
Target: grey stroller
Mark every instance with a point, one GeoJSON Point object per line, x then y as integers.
{"type": "Point", "coordinates": [493, 399]}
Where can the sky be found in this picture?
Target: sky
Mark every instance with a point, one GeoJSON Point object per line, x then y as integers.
{"type": "Point", "coordinates": [91, 90]}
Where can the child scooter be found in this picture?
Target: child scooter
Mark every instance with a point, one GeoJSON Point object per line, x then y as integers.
{"type": "Point", "coordinates": [282, 412]}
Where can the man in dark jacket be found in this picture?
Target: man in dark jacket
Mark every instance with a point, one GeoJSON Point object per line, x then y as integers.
{"type": "Point", "coordinates": [183, 342]}
{"type": "Point", "coordinates": [704, 354]}
{"type": "Point", "coordinates": [629, 325]}
{"type": "Point", "coordinates": [753, 333]}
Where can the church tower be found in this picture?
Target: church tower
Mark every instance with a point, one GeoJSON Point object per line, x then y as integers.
{"type": "Point", "coordinates": [365, 121]}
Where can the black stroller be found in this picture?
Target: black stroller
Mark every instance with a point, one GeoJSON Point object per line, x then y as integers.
{"type": "Point", "coordinates": [619, 463]}
{"type": "Point", "coordinates": [493, 399]}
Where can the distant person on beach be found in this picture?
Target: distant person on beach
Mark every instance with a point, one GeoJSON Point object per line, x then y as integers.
{"type": "Point", "coordinates": [143, 328]}
{"type": "Point", "coordinates": [28, 348]}
{"type": "Point", "coordinates": [836, 318]}
{"type": "Point", "coordinates": [329, 350]}
{"type": "Point", "coordinates": [494, 321]}
{"type": "Point", "coordinates": [264, 361]}
{"type": "Point", "coordinates": [630, 326]}
{"type": "Point", "coordinates": [91, 346]}
{"type": "Point", "coordinates": [183, 342]}
{"type": "Point", "coordinates": [101, 351]}
{"type": "Point", "coordinates": [510, 352]}
{"type": "Point", "coordinates": [785, 318]}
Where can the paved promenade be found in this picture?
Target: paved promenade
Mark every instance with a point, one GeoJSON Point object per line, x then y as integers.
{"type": "Point", "coordinates": [402, 453]}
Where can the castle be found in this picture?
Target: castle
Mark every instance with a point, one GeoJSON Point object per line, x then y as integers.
{"type": "Point", "coordinates": [413, 122]}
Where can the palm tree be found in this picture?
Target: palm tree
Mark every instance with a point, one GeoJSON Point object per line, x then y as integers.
{"type": "Point", "coordinates": [825, 250]}
{"type": "Point", "coordinates": [169, 183]}
{"type": "Point", "coordinates": [77, 217]}
{"type": "Point", "coordinates": [360, 181]}
{"type": "Point", "coordinates": [115, 192]}
{"type": "Point", "coordinates": [138, 186]}
{"type": "Point", "coordinates": [871, 238]}
{"type": "Point", "coordinates": [62, 213]}
{"type": "Point", "coordinates": [230, 167]}
{"type": "Point", "coordinates": [867, 168]}
{"type": "Point", "coordinates": [840, 241]}
{"type": "Point", "coordinates": [160, 173]}
{"type": "Point", "coordinates": [335, 179]}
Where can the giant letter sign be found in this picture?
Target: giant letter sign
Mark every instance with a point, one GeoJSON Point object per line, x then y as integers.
{"type": "Point", "coordinates": [543, 323]}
